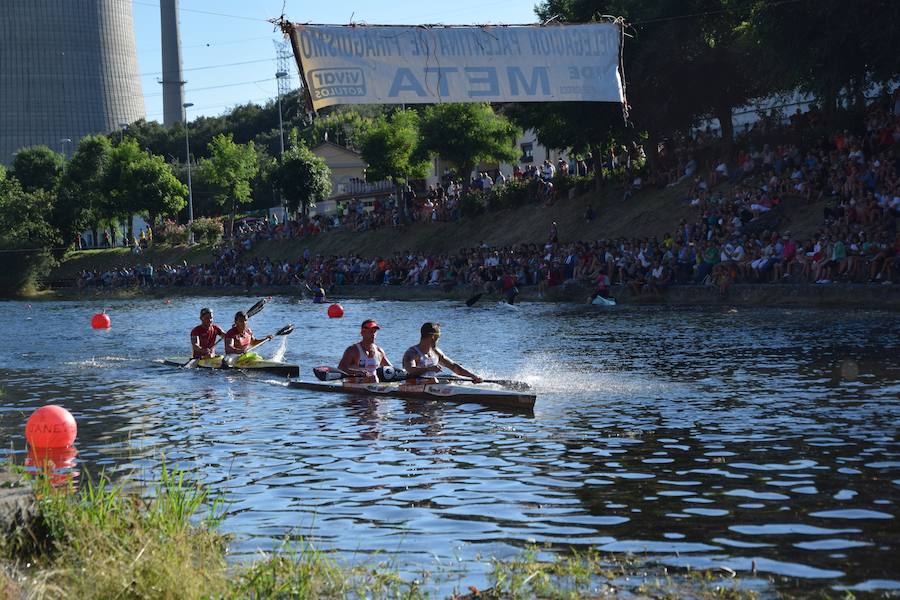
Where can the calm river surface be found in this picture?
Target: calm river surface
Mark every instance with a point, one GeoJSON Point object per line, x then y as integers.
{"type": "Point", "coordinates": [704, 438]}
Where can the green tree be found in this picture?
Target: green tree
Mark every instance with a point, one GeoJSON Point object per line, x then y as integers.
{"type": "Point", "coordinates": [685, 60]}
{"type": "Point", "coordinates": [343, 125]}
{"type": "Point", "coordinates": [26, 238]}
{"type": "Point", "coordinates": [829, 46]}
{"type": "Point", "coordinates": [230, 167]}
{"type": "Point", "coordinates": [581, 127]}
{"type": "Point", "coordinates": [137, 182]}
{"type": "Point", "coordinates": [391, 151]}
{"type": "Point", "coordinates": [82, 192]}
{"type": "Point", "coordinates": [302, 177]}
{"type": "Point", "coordinates": [38, 168]}
{"type": "Point", "coordinates": [466, 135]}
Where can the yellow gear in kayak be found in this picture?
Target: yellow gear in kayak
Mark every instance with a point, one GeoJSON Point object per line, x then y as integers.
{"type": "Point", "coordinates": [247, 357]}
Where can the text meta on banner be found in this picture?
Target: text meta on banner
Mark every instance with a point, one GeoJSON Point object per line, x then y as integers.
{"type": "Point", "coordinates": [426, 65]}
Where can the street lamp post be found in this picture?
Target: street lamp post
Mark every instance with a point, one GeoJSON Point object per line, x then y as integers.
{"type": "Point", "coordinates": [187, 160]}
{"type": "Point", "coordinates": [63, 142]}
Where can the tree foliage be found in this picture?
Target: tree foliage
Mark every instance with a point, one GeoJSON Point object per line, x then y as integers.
{"type": "Point", "coordinates": [390, 148]}
{"type": "Point", "coordinates": [302, 177]}
{"type": "Point", "coordinates": [26, 238]}
{"type": "Point", "coordinates": [230, 167]}
{"type": "Point", "coordinates": [81, 192]}
{"type": "Point", "coordinates": [466, 135]}
{"type": "Point", "coordinates": [38, 168]}
{"type": "Point", "coordinates": [391, 151]}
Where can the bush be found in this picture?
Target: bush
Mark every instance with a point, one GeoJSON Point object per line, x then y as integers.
{"type": "Point", "coordinates": [208, 230]}
{"type": "Point", "coordinates": [563, 183]}
{"type": "Point", "coordinates": [513, 194]}
{"type": "Point", "coordinates": [172, 234]}
{"type": "Point", "coordinates": [473, 204]}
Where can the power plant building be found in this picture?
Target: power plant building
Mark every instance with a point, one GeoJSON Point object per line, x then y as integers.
{"type": "Point", "coordinates": [68, 68]}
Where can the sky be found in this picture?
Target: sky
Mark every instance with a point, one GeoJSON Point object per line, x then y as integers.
{"type": "Point", "coordinates": [227, 50]}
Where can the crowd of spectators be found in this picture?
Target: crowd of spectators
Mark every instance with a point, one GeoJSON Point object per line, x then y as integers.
{"type": "Point", "coordinates": [736, 232]}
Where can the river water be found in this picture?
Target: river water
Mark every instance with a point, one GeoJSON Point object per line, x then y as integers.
{"type": "Point", "coordinates": [729, 437]}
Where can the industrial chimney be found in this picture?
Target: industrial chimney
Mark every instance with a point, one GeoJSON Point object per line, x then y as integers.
{"type": "Point", "coordinates": [172, 82]}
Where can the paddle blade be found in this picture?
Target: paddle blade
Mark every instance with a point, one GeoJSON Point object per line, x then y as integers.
{"type": "Point", "coordinates": [513, 385]}
{"type": "Point", "coordinates": [328, 374]}
{"type": "Point", "coordinates": [256, 308]}
{"type": "Point", "coordinates": [286, 330]}
{"type": "Point", "coordinates": [474, 299]}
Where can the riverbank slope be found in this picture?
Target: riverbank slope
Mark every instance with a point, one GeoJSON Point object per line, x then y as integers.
{"type": "Point", "coordinates": [649, 213]}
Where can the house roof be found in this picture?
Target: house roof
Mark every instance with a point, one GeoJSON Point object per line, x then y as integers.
{"type": "Point", "coordinates": [332, 145]}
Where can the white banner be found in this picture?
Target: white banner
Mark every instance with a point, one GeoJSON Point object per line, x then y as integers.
{"type": "Point", "coordinates": [427, 65]}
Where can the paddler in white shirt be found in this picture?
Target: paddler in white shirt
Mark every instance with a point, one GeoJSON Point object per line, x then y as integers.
{"type": "Point", "coordinates": [424, 359]}
{"type": "Point", "coordinates": [361, 360]}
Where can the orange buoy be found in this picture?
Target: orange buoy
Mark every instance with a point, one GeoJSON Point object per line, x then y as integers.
{"type": "Point", "coordinates": [51, 426]}
{"type": "Point", "coordinates": [100, 321]}
{"type": "Point", "coordinates": [335, 311]}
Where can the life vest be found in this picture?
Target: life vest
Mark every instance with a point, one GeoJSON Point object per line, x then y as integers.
{"type": "Point", "coordinates": [365, 362]}
{"type": "Point", "coordinates": [424, 360]}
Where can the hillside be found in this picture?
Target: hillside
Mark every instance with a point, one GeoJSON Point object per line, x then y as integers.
{"type": "Point", "coordinates": [649, 213]}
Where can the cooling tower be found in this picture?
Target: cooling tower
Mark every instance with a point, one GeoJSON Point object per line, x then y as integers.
{"type": "Point", "coordinates": [68, 68]}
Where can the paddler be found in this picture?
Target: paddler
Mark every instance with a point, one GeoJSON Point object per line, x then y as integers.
{"type": "Point", "coordinates": [424, 359]}
{"type": "Point", "coordinates": [205, 335]}
{"type": "Point", "coordinates": [361, 360]}
{"type": "Point", "coordinates": [239, 339]}
{"type": "Point", "coordinates": [318, 292]}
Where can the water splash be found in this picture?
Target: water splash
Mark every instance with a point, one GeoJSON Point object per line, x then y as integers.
{"type": "Point", "coordinates": [548, 375]}
{"type": "Point", "coordinates": [279, 352]}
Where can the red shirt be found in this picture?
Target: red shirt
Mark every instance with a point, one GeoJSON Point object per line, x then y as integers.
{"type": "Point", "coordinates": [241, 340]}
{"type": "Point", "coordinates": [207, 336]}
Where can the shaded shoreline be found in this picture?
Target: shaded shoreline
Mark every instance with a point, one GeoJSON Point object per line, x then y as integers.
{"type": "Point", "coordinates": [798, 295]}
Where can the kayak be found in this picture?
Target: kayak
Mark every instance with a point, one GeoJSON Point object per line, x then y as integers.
{"type": "Point", "coordinates": [254, 364]}
{"type": "Point", "coordinates": [601, 301]}
{"type": "Point", "coordinates": [443, 392]}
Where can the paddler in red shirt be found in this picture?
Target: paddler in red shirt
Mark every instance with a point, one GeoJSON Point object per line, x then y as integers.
{"type": "Point", "coordinates": [205, 335]}
{"type": "Point", "coordinates": [240, 338]}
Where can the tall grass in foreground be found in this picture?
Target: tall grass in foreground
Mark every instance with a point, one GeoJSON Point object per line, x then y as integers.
{"type": "Point", "coordinates": [102, 542]}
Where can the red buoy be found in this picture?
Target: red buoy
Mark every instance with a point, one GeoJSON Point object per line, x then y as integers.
{"type": "Point", "coordinates": [335, 311]}
{"type": "Point", "coordinates": [100, 321]}
{"type": "Point", "coordinates": [51, 426]}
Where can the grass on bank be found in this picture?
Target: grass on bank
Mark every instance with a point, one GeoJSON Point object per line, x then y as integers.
{"type": "Point", "coordinates": [104, 542]}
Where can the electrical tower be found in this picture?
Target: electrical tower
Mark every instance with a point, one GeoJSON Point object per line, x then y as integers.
{"type": "Point", "coordinates": [283, 53]}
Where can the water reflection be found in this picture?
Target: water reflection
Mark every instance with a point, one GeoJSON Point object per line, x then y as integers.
{"type": "Point", "coordinates": [704, 438]}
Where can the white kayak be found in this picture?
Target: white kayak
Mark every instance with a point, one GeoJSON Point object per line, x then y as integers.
{"type": "Point", "coordinates": [443, 392]}
{"type": "Point", "coordinates": [601, 301]}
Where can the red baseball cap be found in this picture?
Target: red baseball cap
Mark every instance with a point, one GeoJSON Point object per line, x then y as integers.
{"type": "Point", "coordinates": [369, 324]}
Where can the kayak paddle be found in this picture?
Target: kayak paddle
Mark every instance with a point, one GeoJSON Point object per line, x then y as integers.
{"type": "Point", "coordinates": [253, 310]}
{"type": "Point", "coordinates": [471, 301]}
{"type": "Point", "coordinates": [394, 374]}
{"type": "Point", "coordinates": [229, 360]}
{"type": "Point", "coordinates": [510, 383]}
{"type": "Point", "coordinates": [384, 374]}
